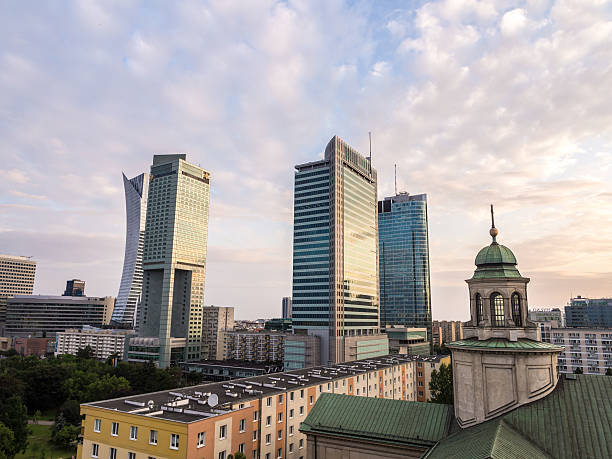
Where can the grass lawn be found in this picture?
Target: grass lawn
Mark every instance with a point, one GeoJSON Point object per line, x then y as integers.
{"type": "Point", "coordinates": [39, 441]}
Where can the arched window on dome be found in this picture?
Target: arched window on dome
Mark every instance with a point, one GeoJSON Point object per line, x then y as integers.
{"type": "Point", "coordinates": [497, 310]}
{"type": "Point", "coordinates": [516, 310]}
{"type": "Point", "coordinates": [479, 308]}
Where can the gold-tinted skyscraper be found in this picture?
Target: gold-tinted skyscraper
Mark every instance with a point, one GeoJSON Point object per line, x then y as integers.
{"type": "Point", "coordinates": [174, 256]}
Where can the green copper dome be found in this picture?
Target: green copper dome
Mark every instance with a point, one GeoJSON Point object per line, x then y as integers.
{"type": "Point", "coordinates": [495, 253]}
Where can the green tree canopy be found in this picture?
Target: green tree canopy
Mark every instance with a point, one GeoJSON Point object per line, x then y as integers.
{"type": "Point", "coordinates": [441, 385]}
{"type": "Point", "coordinates": [7, 442]}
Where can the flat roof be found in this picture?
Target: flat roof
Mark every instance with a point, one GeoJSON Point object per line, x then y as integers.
{"type": "Point", "coordinates": [190, 404]}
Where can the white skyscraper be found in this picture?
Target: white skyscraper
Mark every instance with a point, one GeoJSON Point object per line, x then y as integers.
{"type": "Point", "coordinates": [136, 190]}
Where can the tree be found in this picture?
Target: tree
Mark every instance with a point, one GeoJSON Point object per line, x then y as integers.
{"type": "Point", "coordinates": [14, 415]}
{"type": "Point", "coordinates": [7, 440]}
{"type": "Point", "coordinates": [609, 372]}
{"type": "Point", "coordinates": [66, 436]}
{"type": "Point", "coordinates": [239, 455]}
{"type": "Point", "coordinates": [578, 371]}
{"type": "Point", "coordinates": [85, 353]}
{"type": "Point", "coordinates": [71, 411]}
{"type": "Point", "coordinates": [441, 385]}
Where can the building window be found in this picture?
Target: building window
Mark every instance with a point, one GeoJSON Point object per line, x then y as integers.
{"type": "Point", "coordinates": [279, 453]}
{"type": "Point", "coordinates": [112, 453]}
{"type": "Point", "coordinates": [254, 435]}
{"type": "Point", "coordinates": [280, 398]}
{"type": "Point", "coordinates": [242, 425]}
{"type": "Point", "coordinates": [131, 455]}
{"type": "Point", "coordinates": [516, 310]}
{"type": "Point", "coordinates": [280, 434]}
{"type": "Point", "coordinates": [115, 429]}
{"type": "Point", "coordinates": [95, 449]}
{"type": "Point", "coordinates": [291, 396]}
{"type": "Point", "coordinates": [311, 399]}
{"type": "Point", "coordinates": [479, 309]}
{"type": "Point", "coordinates": [222, 454]}
{"type": "Point", "coordinates": [201, 439]}
{"type": "Point", "coordinates": [290, 430]}
{"type": "Point", "coordinates": [301, 393]}
{"type": "Point", "coordinates": [153, 437]}
{"type": "Point", "coordinates": [290, 447]}
{"type": "Point", "coordinates": [301, 445]}
{"type": "Point", "coordinates": [268, 420]}
{"type": "Point", "coordinates": [291, 413]}
{"type": "Point", "coordinates": [280, 417]}
{"type": "Point", "coordinates": [255, 415]}
{"type": "Point", "coordinates": [497, 310]}
{"type": "Point", "coordinates": [268, 439]}
{"type": "Point", "coordinates": [301, 410]}
{"type": "Point", "coordinates": [222, 432]}
{"type": "Point", "coordinates": [97, 425]}
{"type": "Point", "coordinates": [133, 433]}
{"type": "Point", "coordinates": [174, 441]}
{"type": "Point", "coordinates": [241, 448]}
{"type": "Point", "coordinates": [269, 401]}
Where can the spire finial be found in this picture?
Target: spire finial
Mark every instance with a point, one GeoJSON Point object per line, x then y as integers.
{"type": "Point", "coordinates": [493, 231]}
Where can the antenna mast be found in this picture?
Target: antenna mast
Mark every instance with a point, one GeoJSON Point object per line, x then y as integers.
{"type": "Point", "coordinates": [370, 134]}
{"type": "Point", "coordinates": [395, 179]}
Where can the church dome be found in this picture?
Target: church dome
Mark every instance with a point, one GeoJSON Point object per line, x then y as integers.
{"type": "Point", "coordinates": [495, 254]}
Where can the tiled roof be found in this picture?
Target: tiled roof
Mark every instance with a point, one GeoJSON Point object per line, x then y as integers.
{"type": "Point", "coordinates": [573, 421]}
{"type": "Point", "coordinates": [522, 344]}
{"type": "Point", "coordinates": [391, 421]}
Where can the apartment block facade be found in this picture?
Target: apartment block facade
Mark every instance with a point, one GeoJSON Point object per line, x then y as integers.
{"type": "Point", "coordinates": [258, 416]}
{"type": "Point", "coordinates": [103, 343]}
{"type": "Point", "coordinates": [216, 321]}
{"type": "Point", "coordinates": [446, 331]}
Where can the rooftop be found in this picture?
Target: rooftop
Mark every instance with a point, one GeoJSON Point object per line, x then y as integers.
{"type": "Point", "coordinates": [573, 421]}
{"type": "Point", "coordinates": [190, 404]}
{"type": "Point", "coordinates": [522, 344]}
{"type": "Point", "coordinates": [375, 419]}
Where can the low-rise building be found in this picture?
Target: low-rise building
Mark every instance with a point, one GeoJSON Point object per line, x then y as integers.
{"type": "Point", "coordinates": [146, 349]}
{"type": "Point", "coordinates": [547, 315]}
{"type": "Point", "coordinates": [259, 416]}
{"type": "Point", "coordinates": [103, 342]}
{"type": "Point", "coordinates": [5, 343]}
{"type": "Point", "coordinates": [404, 340]}
{"type": "Point", "coordinates": [225, 370]}
{"type": "Point", "coordinates": [37, 315]}
{"type": "Point", "coordinates": [40, 347]}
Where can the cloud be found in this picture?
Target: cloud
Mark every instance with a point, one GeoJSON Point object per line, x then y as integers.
{"type": "Point", "coordinates": [475, 101]}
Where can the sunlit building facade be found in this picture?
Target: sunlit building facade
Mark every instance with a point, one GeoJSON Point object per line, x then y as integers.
{"type": "Point", "coordinates": [335, 260]}
{"type": "Point", "coordinates": [174, 255]}
{"type": "Point", "coordinates": [130, 289]}
{"type": "Point", "coordinates": [403, 245]}
{"type": "Point", "coordinates": [16, 278]}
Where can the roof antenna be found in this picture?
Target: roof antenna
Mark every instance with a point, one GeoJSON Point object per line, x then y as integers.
{"type": "Point", "coordinates": [493, 231]}
{"type": "Point", "coordinates": [370, 134]}
{"type": "Point", "coordinates": [395, 179]}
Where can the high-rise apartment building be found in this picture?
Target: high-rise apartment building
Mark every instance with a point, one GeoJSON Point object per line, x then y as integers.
{"type": "Point", "coordinates": [16, 278]}
{"type": "Point", "coordinates": [446, 331]}
{"type": "Point", "coordinates": [75, 287]}
{"type": "Point", "coordinates": [217, 320]}
{"type": "Point", "coordinates": [174, 255]}
{"type": "Point", "coordinates": [403, 247]}
{"type": "Point", "coordinates": [287, 307]}
{"type": "Point", "coordinates": [335, 259]}
{"type": "Point", "coordinates": [136, 191]}
{"type": "Point", "coordinates": [589, 312]}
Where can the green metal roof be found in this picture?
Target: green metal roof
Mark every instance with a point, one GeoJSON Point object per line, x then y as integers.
{"type": "Point", "coordinates": [389, 421]}
{"type": "Point", "coordinates": [522, 344]}
{"type": "Point", "coordinates": [495, 261]}
{"type": "Point", "coordinates": [575, 420]}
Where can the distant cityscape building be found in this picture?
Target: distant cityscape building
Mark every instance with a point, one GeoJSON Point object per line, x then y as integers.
{"type": "Point", "coordinates": [335, 259]}
{"type": "Point", "coordinates": [103, 343]}
{"type": "Point", "coordinates": [136, 194]}
{"type": "Point", "coordinates": [40, 347]}
{"type": "Point", "coordinates": [225, 370]}
{"type": "Point", "coordinates": [403, 247]}
{"type": "Point", "coordinates": [148, 349]}
{"type": "Point", "coordinates": [283, 325]}
{"type": "Point", "coordinates": [589, 312]}
{"type": "Point", "coordinates": [16, 278]}
{"type": "Point", "coordinates": [287, 308]}
{"type": "Point", "coordinates": [74, 287]}
{"type": "Point", "coordinates": [262, 347]}
{"type": "Point", "coordinates": [412, 341]}
{"type": "Point", "coordinates": [174, 256]}
{"type": "Point", "coordinates": [589, 349]}
{"type": "Point", "coordinates": [36, 315]}
{"type": "Point", "coordinates": [547, 314]}
{"type": "Point", "coordinates": [217, 321]}
{"type": "Point", "coordinates": [301, 351]}
{"type": "Point", "coordinates": [446, 331]}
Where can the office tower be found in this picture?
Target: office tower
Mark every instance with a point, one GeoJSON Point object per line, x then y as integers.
{"type": "Point", "coordinates": [174, 255]}
{"type": "Point", "coordinates": [136, 190]}
{"type": "Point", "coordinates": [287, 309]}
{"type": "Point", "coordinates": [44, 314]}
{"type": "Point", "coordinates": [335, 262]}
{"type": "Point", "coordinates": [75, 287]}
{"type": "Point", "coordinates": [589, 312]}
{"type": "Point", "coordinates": [217, 320]}
{"type": "Point", "coordinates": [403, 248]}
{"type": "Point", "coordinates": [16, 278]}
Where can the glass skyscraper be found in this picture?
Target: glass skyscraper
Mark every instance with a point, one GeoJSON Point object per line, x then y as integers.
{"type": "Point", "coordinates": [403, 245]}
{"type": "Point", "coordinates": [335, 263]}
{"type": "Point", "coordinates": [136, 190]}
{"type": "Point", "coordinates": [174, 255]}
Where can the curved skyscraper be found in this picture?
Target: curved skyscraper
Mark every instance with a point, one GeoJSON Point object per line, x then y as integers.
{"type": "Point", "coordinates": [136, 190]}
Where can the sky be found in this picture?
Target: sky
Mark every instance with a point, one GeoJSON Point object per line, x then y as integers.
{"type": "Point", "coordinates": [477, 102]}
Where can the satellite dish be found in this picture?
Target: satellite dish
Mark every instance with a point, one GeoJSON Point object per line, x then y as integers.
{"type": "Point", "coordinates": [213, 400]}
{"type": "Point", "coordinates": [150, 403]}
